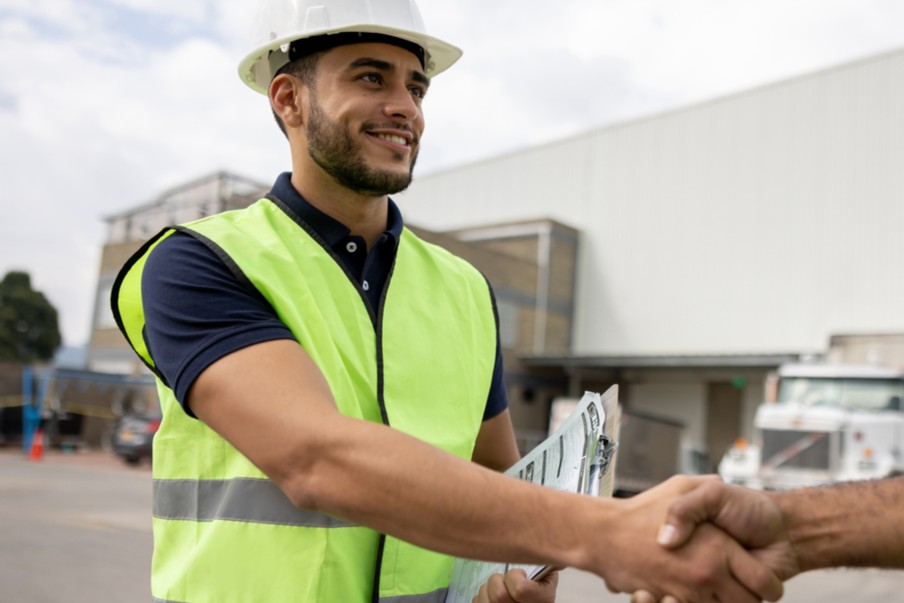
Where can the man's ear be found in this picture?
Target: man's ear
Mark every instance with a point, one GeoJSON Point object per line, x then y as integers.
{"type": "Point", "coordinates": [287, 94]}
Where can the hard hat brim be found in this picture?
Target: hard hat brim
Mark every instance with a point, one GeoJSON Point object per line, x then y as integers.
{"type": "Point", "coordinates": [255, 69]}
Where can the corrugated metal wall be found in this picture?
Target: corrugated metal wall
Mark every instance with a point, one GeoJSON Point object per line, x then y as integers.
{"type": "Point", "coordinates": [761, 222]}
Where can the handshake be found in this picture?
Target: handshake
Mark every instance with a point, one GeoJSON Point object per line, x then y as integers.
{"type": "Point", "coordinates": [744, 543]}
{"type": "Point", "coordinates": [699, 540]}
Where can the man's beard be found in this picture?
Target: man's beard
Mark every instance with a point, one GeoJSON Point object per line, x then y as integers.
{"type": "Point", "coordinates": [339, 155]}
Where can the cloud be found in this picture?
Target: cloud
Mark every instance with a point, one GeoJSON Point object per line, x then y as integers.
{"type": "Point", "coordinates": [700, 48]}
{"type": "Point", "coordinates": [94, 121]}
{"type": "Point", "coordinates": [529, 76]}
{"type": "Point", "coordinates": [104, 104]}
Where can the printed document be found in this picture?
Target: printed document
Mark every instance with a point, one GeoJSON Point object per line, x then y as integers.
{"type": "Point", "coordinates": [578, 457]}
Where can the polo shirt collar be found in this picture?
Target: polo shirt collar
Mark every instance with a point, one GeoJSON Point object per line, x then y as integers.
{"type": "Point", "coordinates": [330, 230]}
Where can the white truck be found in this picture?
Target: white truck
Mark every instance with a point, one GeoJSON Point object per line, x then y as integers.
{"type": "Point", "coordinates": [823, 423]}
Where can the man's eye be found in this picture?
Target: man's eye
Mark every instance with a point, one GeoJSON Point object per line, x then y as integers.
{"type": "Point", "coordinates": [373, 78]}
{"type": "Point", "coordinates": [417, 91]}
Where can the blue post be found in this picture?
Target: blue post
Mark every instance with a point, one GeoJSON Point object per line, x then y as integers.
{"type": "Point", "coordinates": [32, 403]}
{"type": "Point", "coordinates": [28, 423]}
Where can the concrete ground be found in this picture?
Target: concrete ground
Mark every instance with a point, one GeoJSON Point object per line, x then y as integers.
{"type": "Point", "coordinates": [76, 527]}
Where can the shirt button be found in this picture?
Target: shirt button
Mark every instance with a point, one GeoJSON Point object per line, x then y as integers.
{"type": "Point", "coordinates": [365, 285]}
{"type": "Point", "coordinates": [351, 247]}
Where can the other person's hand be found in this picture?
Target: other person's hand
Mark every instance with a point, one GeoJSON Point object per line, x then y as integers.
{"type": "Point", "coordinates": [750, 516]}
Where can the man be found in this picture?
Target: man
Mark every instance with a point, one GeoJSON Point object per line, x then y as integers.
{"type": "Point", "coordinates": [334, 417]}
{"type": "Point", "coordinates": [857, 524]}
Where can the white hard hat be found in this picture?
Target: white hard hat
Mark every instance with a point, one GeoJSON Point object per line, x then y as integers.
{"type": "Point", "coordinates": [281, 22]}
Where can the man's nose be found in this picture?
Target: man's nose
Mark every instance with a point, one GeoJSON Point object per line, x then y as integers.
{"type": "Point", "coordinates": [401, 103]}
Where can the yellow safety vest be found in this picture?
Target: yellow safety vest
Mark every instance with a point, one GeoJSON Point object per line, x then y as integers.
{"type": "Point", "coordinates": [222, 530]}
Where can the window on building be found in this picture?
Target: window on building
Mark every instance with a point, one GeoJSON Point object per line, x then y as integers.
{"type": "Point", "coordinates": [508, 323]}
{"type": "Point", "coordinates": [103, 315]}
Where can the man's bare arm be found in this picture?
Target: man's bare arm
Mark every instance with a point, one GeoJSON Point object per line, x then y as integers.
{"type": "Point", "coordinates": [271, 402]}
{"type": "Point", "coordinates": [496, 447]}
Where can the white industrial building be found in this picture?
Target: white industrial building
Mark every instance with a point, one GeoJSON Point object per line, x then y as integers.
{"type": "Point", "coordinates": [715, 241]}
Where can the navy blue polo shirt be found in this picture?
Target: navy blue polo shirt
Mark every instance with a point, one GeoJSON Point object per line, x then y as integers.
{"type": "Point", "coordinates": [196, 312]}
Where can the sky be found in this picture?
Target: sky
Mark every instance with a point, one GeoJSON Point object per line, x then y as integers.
{"type": "Point", "coordinates": [106, 104]}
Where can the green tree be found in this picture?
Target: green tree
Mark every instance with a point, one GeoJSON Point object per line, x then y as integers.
{"type": "Point", "coordinates": [29, 329]}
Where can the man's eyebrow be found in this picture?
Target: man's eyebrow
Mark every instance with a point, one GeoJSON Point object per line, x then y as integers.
{"type": "Point", "coordinates": [420, 78]}
{"type": "Point", "coordinates": [373, 63]}
{"type": "Point", "coordinates": [382, 65]}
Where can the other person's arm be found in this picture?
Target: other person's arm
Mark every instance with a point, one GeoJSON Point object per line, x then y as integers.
{"type": "Point", "coordinates": [857, 524]}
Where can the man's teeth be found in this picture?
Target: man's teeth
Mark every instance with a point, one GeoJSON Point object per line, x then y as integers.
{"type": "Point", "coordinates": [393, 138]}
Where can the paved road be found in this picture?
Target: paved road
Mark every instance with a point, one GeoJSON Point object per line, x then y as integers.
{"type": "Point", "coordinates": [829, 586]}
{"type": "Point", "coordinates": [76, 528]}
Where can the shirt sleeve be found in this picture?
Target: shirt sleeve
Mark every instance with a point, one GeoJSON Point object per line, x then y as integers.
{"type": "Point", "coordinates": [497, 400]}
{"type": "Point", "coordinates": [197, 312]}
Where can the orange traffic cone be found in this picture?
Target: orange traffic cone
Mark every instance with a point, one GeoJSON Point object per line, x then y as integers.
{"type": "Point", "coordinates": [37, 446]}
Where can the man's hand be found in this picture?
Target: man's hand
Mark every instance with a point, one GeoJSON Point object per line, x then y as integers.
{"type": "Point", "coordinates": [516, 587]}
{"type": "Point", "coordinates": [709, 567]}
{"type": "Point", "coordinates": [749, 516]}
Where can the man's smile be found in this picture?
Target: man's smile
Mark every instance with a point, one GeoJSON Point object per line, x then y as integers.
{"type": "Point", "coordinates": [394, 136]}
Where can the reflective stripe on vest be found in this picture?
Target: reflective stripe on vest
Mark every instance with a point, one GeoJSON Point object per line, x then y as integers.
{"type": "Point", "coordinates": [437, 596]}
{"type": "Point", "coordinates": [239, 499]}
{"type": "Point", "coordinates": [223, 532]}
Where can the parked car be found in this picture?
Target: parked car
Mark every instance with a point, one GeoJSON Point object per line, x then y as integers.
{"type": "Point", "coordinates": [133, 437]}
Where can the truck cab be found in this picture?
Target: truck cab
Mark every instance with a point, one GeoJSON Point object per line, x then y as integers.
{"type": "Point", "coordinates": [822, 423]}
